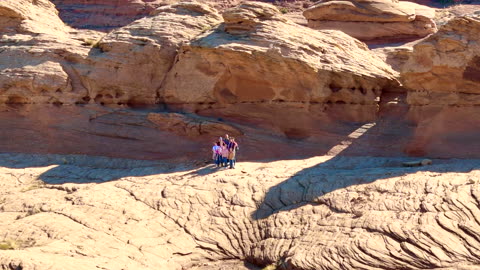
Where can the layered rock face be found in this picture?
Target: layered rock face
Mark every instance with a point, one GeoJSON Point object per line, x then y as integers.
{"type": "Point", "coordinates": [258, 67]}
{"type": "Point", "coordinates": [36, 49]}
{"type": "Point", "coordinates": [29, 16]}
{"type": "Point", "coordinates": [131, 63]}
{"type": "Point", "coordinates": [104, 15]}
{"type": "Point", "coordinates": [286, 92]}
{"type": "Point", "coordinates": [216, 73]}
{"type": "Point", "coordinates": [442, 78]}
{"type": "Point", "coordinates": [445, 67]}
{"type": "Point", "coordinates": [223, 65]}
{"type": "Point", "coordinates": [56, 64]}
{"type": "Point", "coordinates": [373, 20]}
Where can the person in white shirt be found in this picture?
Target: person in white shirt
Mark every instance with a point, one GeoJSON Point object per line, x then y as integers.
{"type": "Point", "coordinates": [217, 155]}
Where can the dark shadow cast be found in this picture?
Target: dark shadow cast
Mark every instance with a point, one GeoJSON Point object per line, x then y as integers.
{"type": "Point", "coordinates": [110, 144]}
{"type": "Point", "coordinates": [206, 170]}
{"type": "Point", "coordinates": [358, 161]}
{"type": "Point", "coordinates": [356, 164]}
{"type": "Point", "coordinates": [95, 169]}
{"type": "Point", "coordinates": [306, 186]}
{"type": "Point", "coordinates": [87, 169]}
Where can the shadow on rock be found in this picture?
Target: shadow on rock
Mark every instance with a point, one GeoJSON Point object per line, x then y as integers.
{"type": "Point", "coordinates": [310, 184]}
{"type": "Point", "coordinates": [209, 169]}
{"type": "Point", "coordinates": [354, 163]}
{"type": "Point", "coordinates": [90, 169]}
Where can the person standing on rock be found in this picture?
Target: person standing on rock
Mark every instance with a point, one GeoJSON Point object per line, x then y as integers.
{"type": "Point", "coordinates": [224, 153]}
{"type": "Point", "coordinates": [232, 150]}
{"type": "Point", "coordinates": [226, 140]}
{"type": "Point", "coordinates": [216, 153]}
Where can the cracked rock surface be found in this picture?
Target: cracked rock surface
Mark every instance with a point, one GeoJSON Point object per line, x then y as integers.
{"type": "Point", "coordinates": [319, 213]}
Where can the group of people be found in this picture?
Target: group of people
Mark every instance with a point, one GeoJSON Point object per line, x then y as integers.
{"type": "Point", "coordinates": [224, 152]}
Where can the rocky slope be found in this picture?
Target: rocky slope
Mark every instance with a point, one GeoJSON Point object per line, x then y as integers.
{"type": "Point", "coordinates": [319, 213]}
{"type": "Point", "coordinates": [102, 15]}
{"type": "Point", "coordinates": [129, 65]}
{"type": "Point", "coordinates": [322, 66]}
{"type": "Point", "coordinates": [138, 64]}
{"type": "Point", "coordinates": [36, 54]}
{"type": "Point", "coordinates": [237, 71]}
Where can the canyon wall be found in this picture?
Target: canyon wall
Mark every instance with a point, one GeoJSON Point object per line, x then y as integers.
{"type": "Point", "coordinates": [316, 110]}
{"type": "Point", "coordinates": [441, 75]}
{"type": "Point", "coordinates": [250, 67]}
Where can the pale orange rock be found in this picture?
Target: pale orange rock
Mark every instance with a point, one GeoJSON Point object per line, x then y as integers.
{"type": "Point", "coordinates": [131, 63]}
{"type": "Point", "coordinates": [373, 20]}
{"type": "Point", "coordinates": [105, 15]}
{"type": "Point", "coordinates": [323, 212]}
{"type": "Point", "coordinates": [257, 55]}
{"type": "Point", "coordinates": [37, 51]}
{"type": "Point", "coordinates": [126, 67]}
{"type": "Point", "coordinates": [38, 16]}
{"type": "Point", "coordinates": [445, 67]}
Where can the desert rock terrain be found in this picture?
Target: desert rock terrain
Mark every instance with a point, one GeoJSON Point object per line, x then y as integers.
{"type": "Point", "coordinates": [108, 112]}
{"type": "Point", "coordinates": [373, 20]}
{"type": "Point", "coordinates": [324, 212]}
{"type": "Point", "coordinates": [104, 15]}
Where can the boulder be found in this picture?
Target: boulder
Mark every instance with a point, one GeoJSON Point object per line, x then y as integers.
{"type": "Point", "coordinates": [417, 163]}
{"type": "Point", "coordinates": [361, 11]}
{"type": "Point", "coordinates": [126, 67]}
{"type": "Point", "coordinates": [444, 69]}
{"type": "Point", "coordinates": [34, 16]}
{"type": "Point", "coordinates": [373, 20]}
{"type": "Point", "coordinates": [259, 56]}
{"type": "Point", "coordinates": [130, 63]}
{"type": "Point", "coordinates": [35, 51]}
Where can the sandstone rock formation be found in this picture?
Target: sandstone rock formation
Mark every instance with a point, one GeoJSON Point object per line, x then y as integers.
{"type": "Point", "coordinates": [319, 213]}
{"type": "Point", "coordinates": [373, 20]}
{"type": "Point", "coordinates": [237, 71]}
{"type": "Point", "coordinates": [184, 57]}
{"type": "Point", "coordinates": [332, 75]}
{"type": "Point", "coordinates": [36, 54]}
{"type": "Point", "coordinates": [439, 74]}
{"type": "Point", "coordinates": [288, 92]}
{"type": "Point", "coordinates": [104, 15]}
{"type": "Point", "coordinates": [445, 67]}
{"type": "Point", "coordinates": [29, 16]}
{"type": "Point", "coordinates": [132, 62]}
{"type": "Point", "coordinates": [65, 66]}
{"type": "Point", "coordinates": [129, 65]}
{"type": "Point", "coordinates": [223, 65]}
